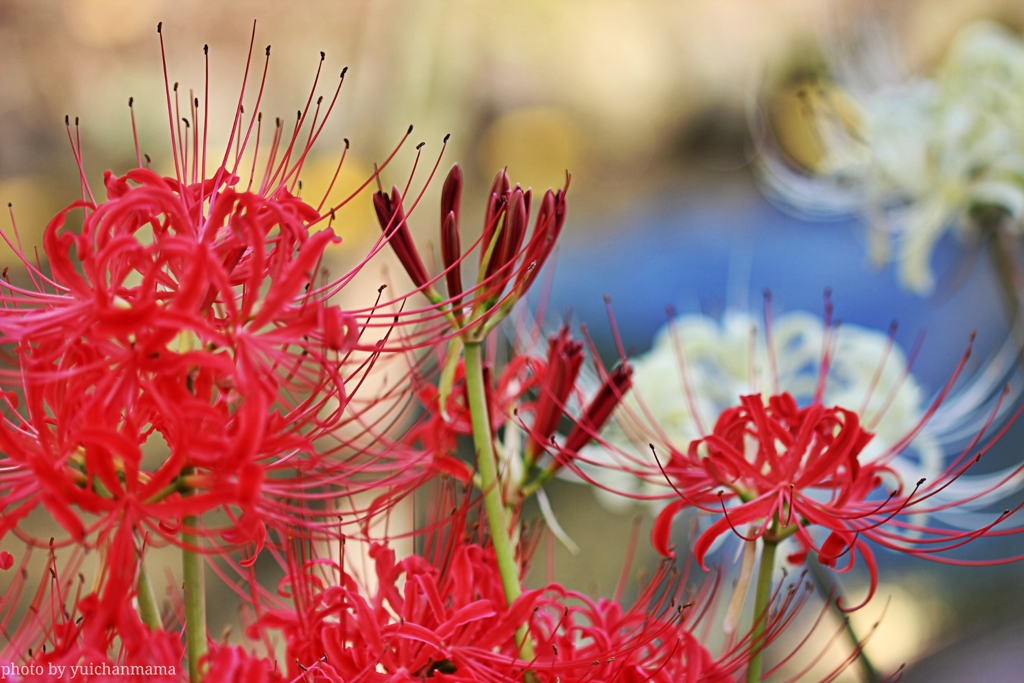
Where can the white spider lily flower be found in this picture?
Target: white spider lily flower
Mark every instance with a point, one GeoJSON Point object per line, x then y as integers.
{"type": "Point", "coordinates": [916, 157]}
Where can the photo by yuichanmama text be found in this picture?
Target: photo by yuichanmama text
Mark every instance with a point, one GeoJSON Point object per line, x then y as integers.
{"type": "Point", "coordinates": [13, 671]}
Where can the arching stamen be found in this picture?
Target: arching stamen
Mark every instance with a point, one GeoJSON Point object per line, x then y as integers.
{"type": "Point", "coordinates": [206, 119]}
{"type": "Point", "coordinates": [238, 139]}
{"type": "Point", "coordinates": [689, 501]}
{"type": "Point", "coordinates": [282, 170]}
{"type": "Point", "coordinates": [725, 513]}
{"type": "Point", "coordinates": [182, 143]}
{"type": "Point", "coordinates": [135, 133]}
{"type": "Point", "coordinates": [773, 373]}
{"type": "Point", "coordinates": [256, 151]}
{"type": "Point", "coordinates": [684, 378]}
{"type": "Point", "coordinates": [184, 139]}
{"type": "Point", "coordinates": [634, 536]}
{"type": "Point", "coordinates": [376, 173]}
{"type": "Point", "coordinates": [20, 252]}
{"type": "Point", "coordinates": [826, 349]}
{"type": "Point", "coordinates": [297, 171]}
{"type": "Point", "coordinates": [236, 121]}
{"type": "Point", "coordinates": [316, 130]}
{"type": "Point", "coordinates": [898, 385]}
{"type": "Point", "coordinates": [171, 118]}
{"type": "Point", "coordinates": [76, 149]}
{"type": "Point", "coordinates": [275, 145]}
{"type": "Point", "coordinates": [194, 116]}
{"type": "Point", "coordinates": [877, 376]}
{"type": "Point", "coordinates": [623, 358]}
{"type": "Point", "coordinates": [334, 179]}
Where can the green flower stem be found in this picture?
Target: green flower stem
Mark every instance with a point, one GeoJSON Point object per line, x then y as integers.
{"type": "Point", "coordinates": [527, 489]}
{"type": "Point", "coordinates": [487, 466]}
{"type": "Point", "coordinates": [148, 609]}
{"type": "Point", "coordinates": [195, 601]}
{"type": "Point", "coordinates": [761, 600]}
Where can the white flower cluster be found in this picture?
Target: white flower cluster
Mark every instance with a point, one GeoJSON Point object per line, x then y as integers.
{"type": "Point", "coordinates": [916, 157]}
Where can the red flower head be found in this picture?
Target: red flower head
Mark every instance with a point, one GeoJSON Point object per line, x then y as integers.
{"type": "Point", "coordinates": [444, 617]}
{"type": "Point", "coordinates": [425, 618]}
{"type": "Point", "coordinates": [189, 310]}
{"type": "Point", "coordinates": [782, 470]}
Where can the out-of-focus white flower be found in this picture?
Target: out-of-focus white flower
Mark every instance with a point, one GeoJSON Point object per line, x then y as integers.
{"type": "Point", "coordinates": [915, 157]}
{"type": "Point", "coordinates": [700, 366]}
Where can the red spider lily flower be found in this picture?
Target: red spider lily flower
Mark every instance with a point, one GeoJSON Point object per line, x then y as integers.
{"type": "Point", "coordinates": [580, 639]}
{"type": "Point", "coordinates": [782, 470]}
{"type": "Point", "coordinates": [444, 616]}
{"type": "Point", "coordinates": [189, 310]}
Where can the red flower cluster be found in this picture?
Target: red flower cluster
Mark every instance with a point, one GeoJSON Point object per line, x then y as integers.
{"type": "Point", "coordinates": [444, 617]}
{"type": "Point", "coordinates": [187, 311]}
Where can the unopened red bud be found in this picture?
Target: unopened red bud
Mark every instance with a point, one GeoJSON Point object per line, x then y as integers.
{"type": "Point", "coordinates": [519, 218]}
{"type": "Point", "coordinates": [496, 205]}
{"type": "Point", "coordinates": [501, 184]}
{"type": "Point", "coordinates": [565, 358]}
{"type": "Point", "coordinates": [511, 238]}
{"type": "Point", "coordinates": [451, 194]}
{"type": "Point", "coordinates": [550, 218]}
{"type": "Point", "coordinates": [559, 214]}
{"type": "Point", "coordinates": [391, 217]}
{"type": "Point", "coordinates": [600, 409]}
{"type": "Point", "coordinates": [545, 214]}
{"type": "Point", "coordinates": [451, 251]}
{"type": "Point", "coordinates": [497, 202]}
